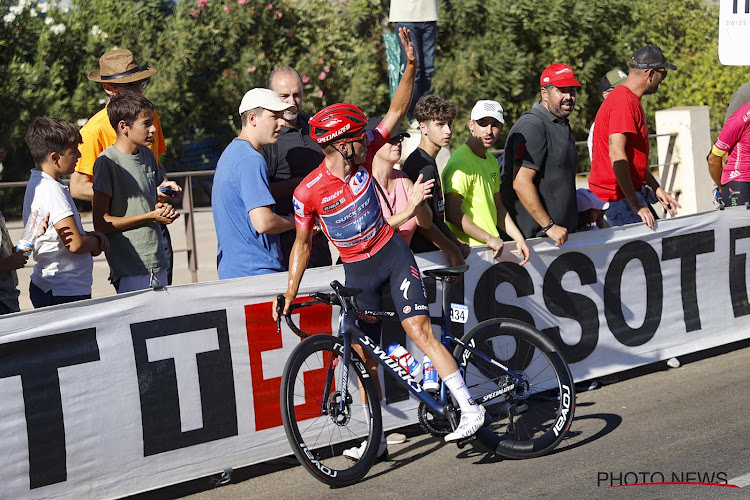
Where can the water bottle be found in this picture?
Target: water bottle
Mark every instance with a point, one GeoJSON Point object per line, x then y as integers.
{"type": "Point", "coordinates": [430, 382]}
{"type": "Point", "coordinates": [405, 360]}
{"type": "Point", "coordinates": [30, 233]}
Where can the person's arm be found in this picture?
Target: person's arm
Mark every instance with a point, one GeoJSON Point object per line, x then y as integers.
{"type": "Point", "coordinates": [456, 216]}
{"type": "Point", "coordinates": [82, 186]}
{"type": "Point", "coordinates": [669, 204]}
{"type": "Point", "coordinates": [298, 260]}
{"type": "Point", "coordinates": [433, 234]}
{"type": "Point", "coordinates": [16, 260]}
{"type": "Point", "coordinates": [715, 165]}
{"type": "Point", "coordinates": [511, 229]}
{"type": "Point", "coordinates": [424, 215]}
{"type": "Point", "coordinates": [621, 168]}
{"type": "Point", "coordinates": [402, 97]}
{"type": "Point", "coordinates": [80, 243]}
{"type": "Point", "coordinates": [265, 221]}
{"type": "Point", "coordinates": [527, 193]}
{"type": "Point", "coordinates": [106, 223]}
{"type": "Point", "coordinates": [416, 193]}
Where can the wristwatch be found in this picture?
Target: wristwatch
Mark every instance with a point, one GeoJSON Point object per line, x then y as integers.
{"type": "Point", "coordinates": [548, 226]}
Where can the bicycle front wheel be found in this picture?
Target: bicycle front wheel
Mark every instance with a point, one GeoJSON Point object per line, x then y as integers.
{"type": "Point", "coordinates": [526, 419]}
{"type": "Point", "coordinates": [322, 418]}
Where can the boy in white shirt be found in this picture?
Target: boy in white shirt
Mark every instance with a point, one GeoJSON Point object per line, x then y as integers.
{"type": "Point", "coordinates": [63, 254]}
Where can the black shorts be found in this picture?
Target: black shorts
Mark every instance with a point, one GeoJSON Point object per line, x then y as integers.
{"type": "Point", "coordinates": [735, 193]}
{"type": "Point", "coordinates": [392, 265]}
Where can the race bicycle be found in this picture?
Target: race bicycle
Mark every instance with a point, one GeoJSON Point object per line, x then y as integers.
{"type": "Point", "coordinates": [510, 368]}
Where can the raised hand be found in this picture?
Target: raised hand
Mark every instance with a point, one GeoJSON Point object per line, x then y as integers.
{"type": "Point", "coordinates": [411, 53]}
{"type": "Point", "coordinates": [420, 191]}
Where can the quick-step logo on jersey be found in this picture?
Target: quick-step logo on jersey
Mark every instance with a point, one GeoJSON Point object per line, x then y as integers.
{"type": "Point", "coordinates": [356, 222]}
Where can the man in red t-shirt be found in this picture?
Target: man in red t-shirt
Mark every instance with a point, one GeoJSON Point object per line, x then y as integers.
{"type": "Point", "coordinates": [619, 168]}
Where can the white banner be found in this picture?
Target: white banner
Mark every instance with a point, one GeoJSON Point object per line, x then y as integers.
{"type": "Point", "coordinates": [110, 397]}
{"type": "Point", "coordinates": [734, 32]}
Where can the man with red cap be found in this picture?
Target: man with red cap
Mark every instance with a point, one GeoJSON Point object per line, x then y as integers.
{"type": "Point", "coordinates": [540, 162]}
{"type": "Point", "coordinates": [619, 168]}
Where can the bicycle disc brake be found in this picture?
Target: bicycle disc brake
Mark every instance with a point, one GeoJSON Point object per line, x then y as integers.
{"type": "Point", "coordinates": [339, 415]}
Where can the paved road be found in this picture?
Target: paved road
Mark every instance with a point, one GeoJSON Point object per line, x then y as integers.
{"type": "Point", "coordinates": [693, 419]}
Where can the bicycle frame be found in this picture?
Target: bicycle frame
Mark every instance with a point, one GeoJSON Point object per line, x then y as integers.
{"type": "Point", "coordinates": [348, 329]}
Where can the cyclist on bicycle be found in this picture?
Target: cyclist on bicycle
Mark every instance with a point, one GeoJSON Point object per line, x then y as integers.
{"type": "Point", "coordinates": [340, 194]}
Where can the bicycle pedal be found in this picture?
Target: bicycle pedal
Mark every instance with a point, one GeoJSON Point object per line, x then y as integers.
{"type": "Point", "coordinates": [463, 442]}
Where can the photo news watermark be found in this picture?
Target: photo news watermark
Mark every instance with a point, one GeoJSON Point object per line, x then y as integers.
{"type": "Point", "coordinates": [658, 478]}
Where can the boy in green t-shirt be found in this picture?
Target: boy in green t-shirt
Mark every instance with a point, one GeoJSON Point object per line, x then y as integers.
{"type": "Point", "coordinates": [126, 208]}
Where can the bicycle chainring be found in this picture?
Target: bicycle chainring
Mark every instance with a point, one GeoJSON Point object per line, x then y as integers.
{"type": "Point", "coordinates": [435, 425]}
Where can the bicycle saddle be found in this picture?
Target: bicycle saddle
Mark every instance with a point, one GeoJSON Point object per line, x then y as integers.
{"type": "Point", "coordinates": [446, 272]}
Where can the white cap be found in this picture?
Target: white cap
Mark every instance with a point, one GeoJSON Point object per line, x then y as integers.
{"type": "Point", "coordinates": [588, 200]}
{"type": "Point", "coordinates": [484, 109]}
{"type": "Point", "coordinates": [264, 98]}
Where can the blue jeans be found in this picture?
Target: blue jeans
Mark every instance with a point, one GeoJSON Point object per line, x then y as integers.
{"type": "Point", "coordinates": [40, 298]}
{"type": "Point", "coordinates": [424, 36]}
{"type": "Point", "coordinates": [619, 212]}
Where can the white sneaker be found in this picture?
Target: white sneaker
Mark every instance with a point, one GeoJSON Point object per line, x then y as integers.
{"type": "Point", "coordinates": [395, 438]}
{"type": "Point", "coordinates": [356, 452]}
{"type": "Point", "coordinates": [468, 426]}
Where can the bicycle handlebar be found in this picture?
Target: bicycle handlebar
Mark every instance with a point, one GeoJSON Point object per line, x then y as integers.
{"type": "Point", "coordinates": [337, 298]}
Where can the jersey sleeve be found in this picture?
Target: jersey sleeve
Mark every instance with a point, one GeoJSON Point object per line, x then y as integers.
{"type": "Point", "coordinates": [376, 138]}
{"type": "Point", "coordinates": [304, 215]}
{"type": "Point", "coordinates": [731, 133]}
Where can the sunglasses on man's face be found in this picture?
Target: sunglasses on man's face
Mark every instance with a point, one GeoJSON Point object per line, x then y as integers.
{"type": "Point", "coordinates": [662, 71]}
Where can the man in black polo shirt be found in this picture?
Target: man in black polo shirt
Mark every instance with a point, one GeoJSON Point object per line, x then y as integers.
{"type": "Point", "coordinates": [294, 156]}
{"type": "Point", "coordinates": [435, 116]}
{"type": "Point", "coordinates": [540, 161]}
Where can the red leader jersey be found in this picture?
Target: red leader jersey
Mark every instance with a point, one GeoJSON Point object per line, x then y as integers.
{"type": "Point", "coordinates": [348, 210]}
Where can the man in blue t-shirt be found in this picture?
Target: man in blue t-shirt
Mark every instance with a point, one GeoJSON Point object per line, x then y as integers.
{"type": "Point", "coordinates": [247, 228]}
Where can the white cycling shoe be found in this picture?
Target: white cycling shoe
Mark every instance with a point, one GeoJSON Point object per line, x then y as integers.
{"type": "Point", "coordinates": [356, 452]}
{"type": "Point", "coordinates": [468, 426]}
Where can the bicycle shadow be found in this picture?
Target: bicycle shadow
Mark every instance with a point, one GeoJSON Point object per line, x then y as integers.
{"type": "Point", "coordinates": [575, 438]}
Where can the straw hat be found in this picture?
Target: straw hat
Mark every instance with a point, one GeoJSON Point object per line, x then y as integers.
{"type": "Point", "coordinates": [119, 66]}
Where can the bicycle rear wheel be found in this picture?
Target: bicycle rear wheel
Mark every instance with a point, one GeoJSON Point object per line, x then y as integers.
{"type": "Point", "coordinates": [319, 427]}
{"type": "Point", "coordinates": [530, 419]}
